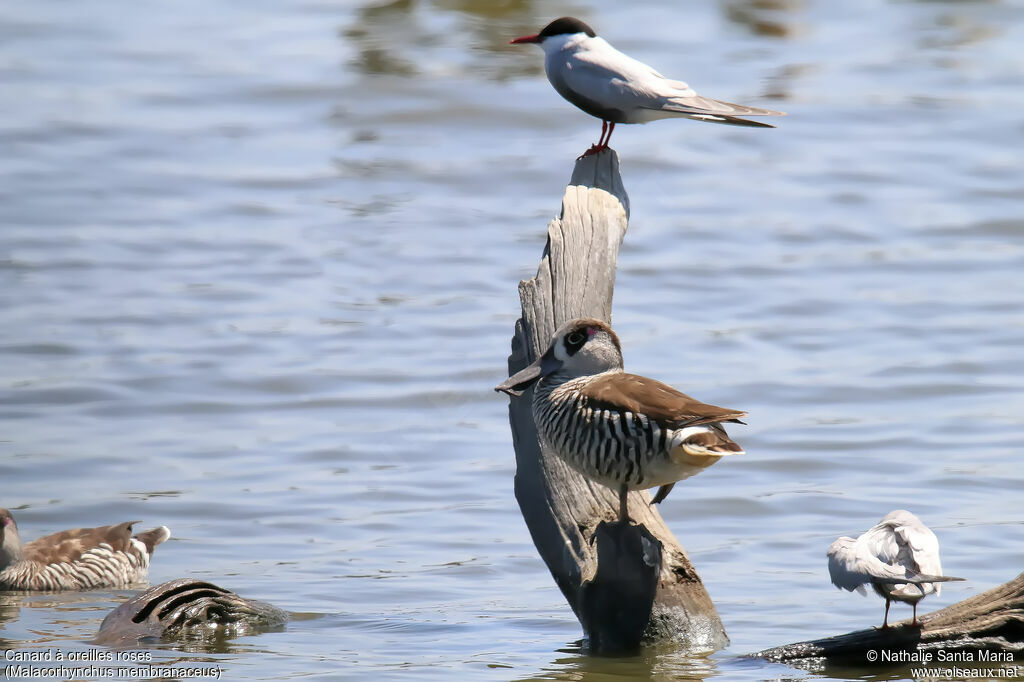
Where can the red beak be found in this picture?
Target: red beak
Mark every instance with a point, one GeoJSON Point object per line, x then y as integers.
{"type": "Point", "coordinates": [525, 39]}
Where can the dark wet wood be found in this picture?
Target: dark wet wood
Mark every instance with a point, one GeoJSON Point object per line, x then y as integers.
{"type": "Point", "coordinates": [562, 509]}
{"type": "Point", "coordinates": [990, 621]}
{"type": "Point", "coordinates": [615, 605]}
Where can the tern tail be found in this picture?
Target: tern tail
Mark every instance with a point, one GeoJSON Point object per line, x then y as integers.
{"type": "Point", "coordinates": [917, 580]}
{"type": "Point", "coordinates": [728, 120]}
{"type": "Point", "coordinates": [716, 111]}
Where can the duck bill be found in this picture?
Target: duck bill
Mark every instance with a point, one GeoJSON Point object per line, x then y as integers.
{"type": "Point", "coordinates": [517, 384]}
{"type": "Point", "coordinates": [525, 39]}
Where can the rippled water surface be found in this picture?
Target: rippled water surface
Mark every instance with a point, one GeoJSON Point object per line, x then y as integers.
{"type": "Point", "coordinates": [258, 267]}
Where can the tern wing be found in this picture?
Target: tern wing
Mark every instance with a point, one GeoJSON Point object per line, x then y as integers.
{"type": "Point", "coordinates": [880, 542]}
{"type": "Point", "coordinates": [901, 539]}
{"type": "Point", "coordinates": [603, 76]}
{"type": "Point", "coordinates": [920, 543]}
{"type": "Point", "coordinates": [602, 73]}
{"type": "Point", "coordinates": [851, 566]}
{"type": "Point", "coordinates": [906, 544]}
{"type": "Point", "coordinates": [685, 101]}
{"type": "Point", "coordinates": [918, 548]}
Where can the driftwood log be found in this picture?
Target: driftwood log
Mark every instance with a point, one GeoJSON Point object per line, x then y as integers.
{"type": "Point", "coordinates": [625, 584]}
{"type": "Point", "coordinates": [989, 622]}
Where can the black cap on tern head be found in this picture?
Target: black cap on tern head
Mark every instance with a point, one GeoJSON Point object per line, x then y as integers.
{"type": "Point", "coordinates": [566, 26]}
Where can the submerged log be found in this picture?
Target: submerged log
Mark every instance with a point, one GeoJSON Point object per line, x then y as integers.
{"type": "Point", "coordinates": [624, 584]}
{"type": "Point", "coordinates": [992, 621]}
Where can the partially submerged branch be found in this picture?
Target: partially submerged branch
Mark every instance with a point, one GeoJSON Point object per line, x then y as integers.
{"type": "Point", "coordinates": [992, 621]}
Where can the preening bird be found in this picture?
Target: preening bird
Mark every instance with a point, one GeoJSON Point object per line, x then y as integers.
{"type": "Point", "coordinates": [899, 558]}
{"type": "Point", "coordinates": [607, 84]}
{"type": "Point", "coordinates": [78, 559]}
{"type": "Point", "coordinates": [625, 431]}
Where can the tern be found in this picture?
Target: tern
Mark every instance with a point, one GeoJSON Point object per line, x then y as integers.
{"type": "Point", "coordinates": [899, 558]}
{"type": "Point", "coordinates": [607, 84]}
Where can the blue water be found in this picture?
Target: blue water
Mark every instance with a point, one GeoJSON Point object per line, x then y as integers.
{"type": "Point", "coordinates": [258, 268]}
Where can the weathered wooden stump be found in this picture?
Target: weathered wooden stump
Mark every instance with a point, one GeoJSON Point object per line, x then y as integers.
{"type": "Point", "coordinates": [612, 583]}
{"type": "Point", "coordinates": [992, 621]}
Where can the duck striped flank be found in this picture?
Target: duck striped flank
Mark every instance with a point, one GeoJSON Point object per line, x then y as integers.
{"type": "Point", "coordinates": [617, 446]}
{"type": "Point", "coordinates": [78, 559]}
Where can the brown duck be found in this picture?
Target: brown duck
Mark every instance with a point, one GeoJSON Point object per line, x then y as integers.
{"type": "Point", "coordinates": [78, 559]}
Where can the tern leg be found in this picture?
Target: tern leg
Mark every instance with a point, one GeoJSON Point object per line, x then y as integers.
{"type": "Point", "coordinates": [914, 622]}
{"type": "Point", "coordinates": [885, 620]}
{"type": "Point", "coordinates": [597, 146]}
{"type": "Point", "coordinates": [623, 512]}
{"type": "Point", "coordinates": [611, 129]}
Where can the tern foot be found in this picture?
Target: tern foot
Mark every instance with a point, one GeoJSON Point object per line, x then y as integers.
{"type": "Point", "coordinates": [594, 149]}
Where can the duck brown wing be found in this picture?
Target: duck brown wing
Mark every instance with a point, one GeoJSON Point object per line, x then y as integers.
{"type": "Point", "coordinates": [69, 545]}
{"type": "Point", "coordinates": [660, 402]}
